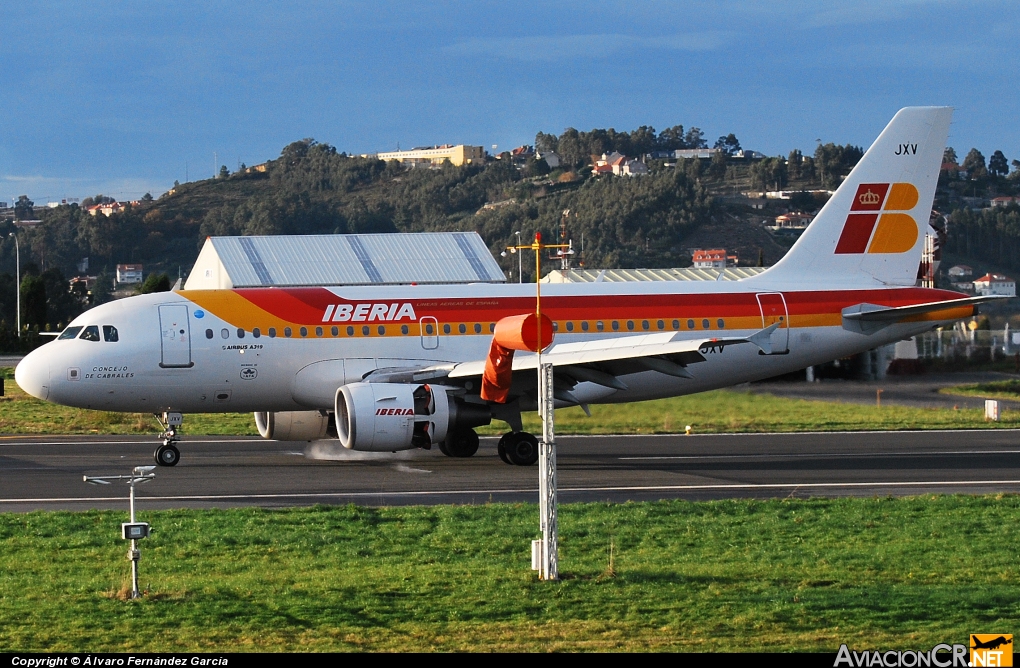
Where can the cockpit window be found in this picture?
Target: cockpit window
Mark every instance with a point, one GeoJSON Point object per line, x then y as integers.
{"type": "Point", "coordinates": [110, 333]}
{"type": "Point", "coordinates": [91, 333]}
{"type": "Point", "coordinates": [69, 333]}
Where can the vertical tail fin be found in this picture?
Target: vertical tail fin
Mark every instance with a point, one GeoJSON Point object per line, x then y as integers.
{"type": "Point", "coordinates": [871, 231]}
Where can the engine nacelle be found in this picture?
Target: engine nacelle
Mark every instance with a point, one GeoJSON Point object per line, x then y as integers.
{"type": "Point", "coordinates": [384, 417]}
{"type": "Point", "coordinates": [293, 425]}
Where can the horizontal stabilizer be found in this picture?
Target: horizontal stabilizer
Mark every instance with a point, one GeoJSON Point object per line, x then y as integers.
{"type": "Point", "coordinates": [868, 318]}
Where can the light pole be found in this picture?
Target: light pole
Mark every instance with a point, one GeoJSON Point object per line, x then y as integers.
{"type": "Point", "coordinates": [520, 264]}
{"type": "Point", "coordinates": [17, 280]}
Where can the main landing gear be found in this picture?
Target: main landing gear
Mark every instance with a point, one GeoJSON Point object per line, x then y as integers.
{"type": "Point", "coordinates": [519, 448]}
{"type": "Point", "coordinates": [168, 454]}
{"type": "Point", "coordinates": [460, 443]}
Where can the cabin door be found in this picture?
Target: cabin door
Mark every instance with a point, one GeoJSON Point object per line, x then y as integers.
{"type": "Point", "coordinates": [773, 310]}
{"type": "Point", "coordinates": [429, 333]}
{"type": "Point", "coordinates": [175, 336]}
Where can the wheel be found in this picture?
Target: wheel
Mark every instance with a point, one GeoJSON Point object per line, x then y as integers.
{"type": "Point", "coordinates": [443, 449]}
{"type": "Point", "coordinates": [462, 443]}
{"type": "Point", "coordinates": [522, 449]}
{"type": "Point", "coordinates": [501, 447]}
{"type": "Point", "coordinates": [167, 455]}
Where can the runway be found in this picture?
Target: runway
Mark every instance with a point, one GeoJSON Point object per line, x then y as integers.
{"type": "Point", "coordinates": [45, 473]}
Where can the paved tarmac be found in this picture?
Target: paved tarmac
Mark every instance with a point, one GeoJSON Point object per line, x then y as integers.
{"type": "Point", "coordinates": [920, 391]}
{"type": "Point", "coordinates": [46, 472]}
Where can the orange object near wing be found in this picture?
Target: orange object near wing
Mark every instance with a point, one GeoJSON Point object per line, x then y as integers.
{"type": "Point", "coordinates": [516, 332]}
{"type": "Point", "coordinates": [520, 332]}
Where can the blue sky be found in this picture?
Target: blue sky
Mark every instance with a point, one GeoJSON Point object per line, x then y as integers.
{"type": "Point", "coordinates": [123, 98]}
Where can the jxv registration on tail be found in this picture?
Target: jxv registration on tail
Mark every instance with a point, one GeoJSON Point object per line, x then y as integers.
{"type": "Point", "coordinates": [396, 367]}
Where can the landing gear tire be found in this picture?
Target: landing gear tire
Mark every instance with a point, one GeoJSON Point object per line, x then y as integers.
{"type": "Point", "coordinates": [521, 448]}
{"type": "Point", "coordinates": [462, 443]}
{"type": "Point", "coordinates": [501, 448]}
{"type": "Point", "coordinates": [443, 449]}
{"type": "Point", "coordinates": [167, 455]}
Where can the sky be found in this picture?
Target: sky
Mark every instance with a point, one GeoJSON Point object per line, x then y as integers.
{"type": "Point", "coordinates": [123, 98]}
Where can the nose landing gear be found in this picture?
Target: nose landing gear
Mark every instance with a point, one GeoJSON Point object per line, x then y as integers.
{"type": "Point", "coordinates": [168, 454]}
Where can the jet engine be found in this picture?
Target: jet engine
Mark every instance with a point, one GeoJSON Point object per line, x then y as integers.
{"type": "Point", "coordinates": [293, 425]}
{"type": "Point", "coordinates": [384, 417]}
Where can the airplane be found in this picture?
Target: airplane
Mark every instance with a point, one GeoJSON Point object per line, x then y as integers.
{"type": "Point", "coordinates": [387, 368]}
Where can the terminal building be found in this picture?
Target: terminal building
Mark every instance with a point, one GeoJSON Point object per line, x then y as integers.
{"type": "Point", "coordinates": [435, 155]}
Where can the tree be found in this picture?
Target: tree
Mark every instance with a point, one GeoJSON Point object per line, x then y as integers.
{"type": "Point", "coordinates": [23, 208]}
{"type": "Point", "coordinates": [544, 143]}
{"type": "Point", "coordinates": [224, 172]}
{"type": "Point", "coordinates": [728, 143]}
{"type": "Point", "coordinates": [695, 138]}
{"type": "Point", "coordinates": [147, 197]}
{"type": "Point", "coordinates": [832, 162]}
{"type": "Point", "coordinates": [33, 301]}
{"type": "Point", "coordinates": [949, 156]}
{"type": "Point", "coordinates": [795, 163]}
{"type": "Point", "coordinates": [717, 166]}
{"type": "Point", "coordinates": [974, 164]}
{"type": "Point", "coordinates": [155, 283]}
{"type": "Point", "coordinates": [998, 165]}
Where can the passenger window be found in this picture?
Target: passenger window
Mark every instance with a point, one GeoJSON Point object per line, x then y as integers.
{"type": "Point", "coordinates": [599, 326]}
{"type": "Point", "coordinates": [403, 329]}
{"type": "Point", "coordinates": [365, 330]}
{"type": "Point", "coordinates": [690, 324]}
{"type": "Point", "coordinates": [240, 333]}
{"type": "Point", "coordinates": [428, 328]}
{"type": "Point", "coordinates": [335, 331]}
{"type": "Point", "coordinates": [304, 331]}
{"type": "Point", "coordinates": [272, 332]}
{"type": "Point", "coordinates": [462, 328]}
{"type": "Point", "coordinates": [492, 327]}
{"type": "Point", "coordinates": [556, 326]}
{"type": "Point", "coordinates": [208, 334]}
{"type": "Point", "coordinates": [705, 324]}
{"type": "Point", "coordinates": [644, 325]}
{"type": "Point", "coordinates": [256, 332]}
{"type": "Point", "coordinates": [570, 326]}
{"type": "Point", "coordinates": [381, 329]}
{"type": "Point", "coordinates": [721, 323]}
{"type": "Point", "coordinates": [286, 332]}
{"type": "Point", "coordinates": [661, 325]}
{"type": "Point", "coordinates": [616, 325]}
{"type": "Point", "coordinates": [630, 325]}
{"type": "Point", "coordinates": [584, 325]}
{"type": "Point", "coordinates": [350, 331]}
{"type": "Point", "coordinates": [446, 329]}
{"type": "Point", "coordinates": [110, 333]}
{"type": "Point", "coordinates": [318, 331]}
{"type": "Point", "coordinates": [676, 324]}
{"type": "Point", "coordinates": [478, 328]}
{"type": "Point", "coordinates": [69, 333]}
{"type": "Point", "coordinates": [224, 333]}
{"type": "Point", "coordinates": [91, 333]}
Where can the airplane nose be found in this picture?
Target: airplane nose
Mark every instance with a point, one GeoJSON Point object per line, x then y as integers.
{"type": "Point", "coordinates": [33, 374]}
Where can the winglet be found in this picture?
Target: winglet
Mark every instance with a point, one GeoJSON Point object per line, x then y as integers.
{"type": "Point", "coordinates": [763, 338]}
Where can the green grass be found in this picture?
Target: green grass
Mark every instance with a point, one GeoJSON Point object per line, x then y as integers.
{"type": "Point", "coordinates": [721, 411]}
{"type": "Point", "coordinates": [1000, 389]}
{"type": "Point", "coordinates": [726, 575]}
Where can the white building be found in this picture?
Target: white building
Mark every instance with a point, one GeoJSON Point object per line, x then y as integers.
{"type": "Point", "coordinates": [129, 273]}
{"type": "Point", "coordinates": [995, 284]}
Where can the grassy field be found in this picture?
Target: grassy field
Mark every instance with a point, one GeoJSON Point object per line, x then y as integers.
{"type": "Point", "coordinates": [710, 412]}
{"type": "Point", "coordinates": [728, 575]}
{"type": "Point", "coordinates": [1000, 389]}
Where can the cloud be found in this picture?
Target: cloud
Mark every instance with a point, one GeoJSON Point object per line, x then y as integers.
{"type": "Point", "coordinates": [556, 47]}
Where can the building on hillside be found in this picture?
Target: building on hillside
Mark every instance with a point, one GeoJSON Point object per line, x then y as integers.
{"type": "Point", "coordinates": [793, 220]}
{"type": "Point", "coordinates": [959, 271]}
{"type": "Point", "coordinates": [1005, 201]}
{"type": "Point", "coordinates": [634, 167]}
{"type": "Point", "coordinates": [129, 273]}
{"type": "Point", "coordinates": [699, 153]}
{"type": "Point", "coordinates": [995, 284]}
{"type": "Point", "coordinates": [713, 259]}
{"type": "Point", "coordinates": [107, 209]}
{"type": "Point", "coordinates": [551, 158]}
{"type": "Point", "coordinates": [434, 155]}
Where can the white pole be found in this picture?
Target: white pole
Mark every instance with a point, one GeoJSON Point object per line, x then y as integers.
{"type": "Point", "coordinates": [547, 471]}
{"type": "Point", "coordinates": [134, 554]}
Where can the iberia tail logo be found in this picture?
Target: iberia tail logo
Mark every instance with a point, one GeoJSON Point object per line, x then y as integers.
{"type": "Point", "coordinates": [885, 204]}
